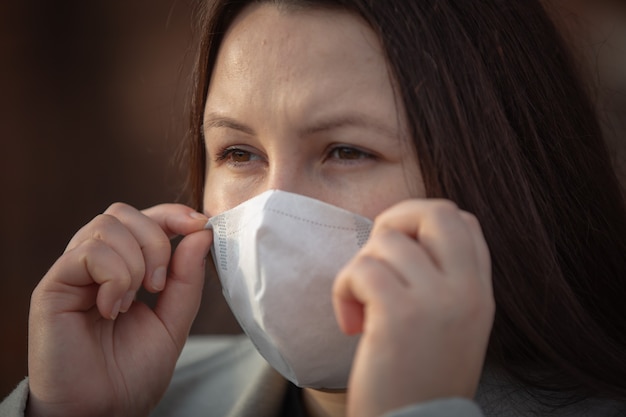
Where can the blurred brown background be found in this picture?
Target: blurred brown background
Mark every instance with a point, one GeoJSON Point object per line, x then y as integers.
{"type": "Point", "coordinates": [89, 92]}
{"type": "Point", "coordinates": [89, 95]}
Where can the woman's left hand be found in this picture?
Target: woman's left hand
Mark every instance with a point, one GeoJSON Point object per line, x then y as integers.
{"type": "Point", "coordinates": [420, 293]}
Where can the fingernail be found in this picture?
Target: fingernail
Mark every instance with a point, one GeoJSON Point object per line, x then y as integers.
{"type": "Point", "coordinates": [198, 216]}
{"type": "Point", "coordinates": [127, 301]}
{"type": "Point", "coordinates": [116, 309]}
{"type": "Point", "coordinates": [158, 278]}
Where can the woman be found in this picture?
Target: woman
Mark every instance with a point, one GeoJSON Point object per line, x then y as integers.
{"type": "Point", "coordinates": [382, 109]}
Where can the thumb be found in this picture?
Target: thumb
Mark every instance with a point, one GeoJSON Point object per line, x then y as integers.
{"type": "Point", "coordinates": [178, 304]}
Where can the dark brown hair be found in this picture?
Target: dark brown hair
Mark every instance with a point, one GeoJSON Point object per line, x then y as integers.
{"type": "Point", "coordinates": [502, 126]}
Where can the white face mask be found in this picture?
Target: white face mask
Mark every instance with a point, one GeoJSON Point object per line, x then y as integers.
{"type": "Point", "coordinates": [277, 256]}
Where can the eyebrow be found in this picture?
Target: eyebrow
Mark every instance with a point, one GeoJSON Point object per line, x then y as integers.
{"type": "Point", "coordinates": [216, 121]}
{"type": "Point", "coordinates": [349, 120]}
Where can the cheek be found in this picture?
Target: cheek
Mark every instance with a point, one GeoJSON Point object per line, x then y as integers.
{"type": "Point", "coordinates": [216, 198]}
{"type": "Point", "coordinates": [379, 199]}
{"type": "Point", "coordinates": [371, 209]}
{"type": "Point", "coordinates": [368, 195]}
{"type": "Point", "coordinates": [218, 201]}
{"type": "Point", "coordinates": [212, 206]}
{"type": "Point", "coordinates": [391, 190]}
{"type": "Point", "coordinates": [221, 193]}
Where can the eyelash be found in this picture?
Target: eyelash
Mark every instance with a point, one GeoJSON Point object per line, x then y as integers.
{"type": "Point", "coordinates": [226, 153]}
{"type": "Point", "coordinates": [361, 154]}
{"type": "Point", "coordinates": [230, 155]}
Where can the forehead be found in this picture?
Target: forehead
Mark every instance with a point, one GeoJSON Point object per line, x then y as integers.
{"type": "Point", "coordinates": [287, 42]}
{"type": "Point", "coordinates": [306, 58]}
{"type": "Point", "coordinates": [268, 29]}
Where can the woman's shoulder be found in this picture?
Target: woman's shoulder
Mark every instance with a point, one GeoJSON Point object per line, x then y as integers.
{"type": "Point", "coordinates": [207, 350]}
{"type": "Point", "coordinates": [221, 375]}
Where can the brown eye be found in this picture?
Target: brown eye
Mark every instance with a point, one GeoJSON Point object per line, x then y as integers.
{"type": "Point", "coordinates": [237, 155]}
{"type": "Point", "coordinates": [348, 153]}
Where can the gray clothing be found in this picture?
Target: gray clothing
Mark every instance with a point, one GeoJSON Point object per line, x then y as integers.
{"type": "Point", "coordinates": [224, 376]}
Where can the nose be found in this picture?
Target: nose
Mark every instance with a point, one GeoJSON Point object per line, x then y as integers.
{"type": "Point", "coordinates": [286, 176]}
{"type": "Point", "coordinates": [294, 176]}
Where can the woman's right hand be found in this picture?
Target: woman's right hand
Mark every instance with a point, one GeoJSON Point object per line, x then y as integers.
{"type": "Point", "coordinates": [84, 358]}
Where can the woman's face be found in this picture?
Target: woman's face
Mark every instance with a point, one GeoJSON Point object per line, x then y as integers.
{"type": "Point", "coordinates": [301, 101]}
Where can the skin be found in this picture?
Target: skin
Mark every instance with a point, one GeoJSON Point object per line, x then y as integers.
{"type": "Point", "coordinates": [298, 113]}
{"type": "Point", "coordinates": [84, 358]}
{"type": "Point", "coordinates": [316, 115]}
{"type": "Point", "coordinates": [312, 113]}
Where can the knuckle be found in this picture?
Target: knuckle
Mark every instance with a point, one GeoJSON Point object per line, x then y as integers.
{"type": "Point", "coordinates": [156, 253]}
{"type": "Point", "coordinates": [97, 255]}
{"type": "Point", "coordinates": [91, 245]}
{"type": "Point", "coordinates": [471, 219]}
{"type": "Point", "coordinates": [364, 263]}
{"type": "Point", "coordinates": [444, 207]}
{"type": "Point", "coordinates": [160, 243]}
{"type": "Point", "coordinates": [367, 269]}
{"type": "Point", "coordinates": [379, 236]}
{"type": "Point", "coordinates": [101, 223]}
{"type": "Point", "coordinates": [116, 208]}
{"type": "Point", "coordinates": [137, 270]}
{"type": "Point", "coordinates": [353, 267]}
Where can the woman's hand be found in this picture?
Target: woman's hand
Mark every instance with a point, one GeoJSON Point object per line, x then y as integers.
{"type": "Point", "coordinates": [420, 293]}
{"type": "Point", "coordinates": [84, 358]}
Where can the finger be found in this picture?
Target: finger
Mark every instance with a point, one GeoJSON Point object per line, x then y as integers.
{"type": "Point", "coordinates": [109, 230]}
{"type": "Point", "coordinates": [153, 229]}
{"type": "Point", "coordinates": [92, 262]}
{"type": "Point", "coordinates": [138, 239]}
{"type": "Point", "coordinates": [178, 304]}
{"type": "Point", "coordinates": [176, 219]}
{"type": "Point", "coordinates": [153, 241]}
{"type": "Point", "coordinates": [480, 247]}
{"type": "Point", "coordinates": [173, 220]}
{"type": "Point", "coordinates": [365, 283]}
{"type": "Point", "coordinates": [404, 255]}
{"type": "Point", "coordinates": [438, 227]}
